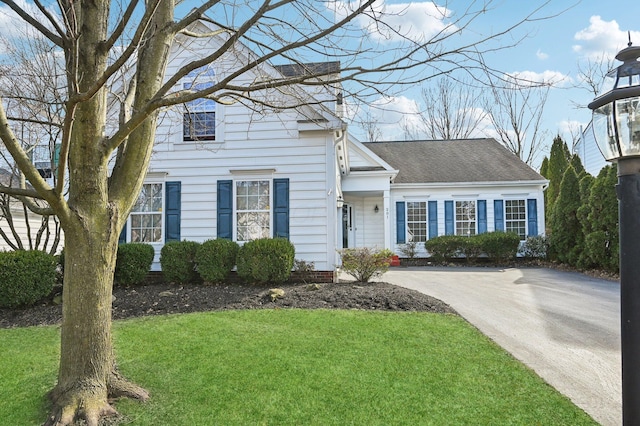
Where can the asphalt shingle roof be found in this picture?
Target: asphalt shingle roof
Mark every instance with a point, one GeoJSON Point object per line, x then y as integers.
{"type": "Point", "coordinates": [310, 69]}
{"type": "Point", "coordinates": [463, 160]}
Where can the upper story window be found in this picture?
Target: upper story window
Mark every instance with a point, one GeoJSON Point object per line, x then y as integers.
{"type": "Point", "coordinates": [515, 217]}
{"type": "Point", "coordinates": [417, 221]}
{"type": "Point", "coordinates": [146, 216]}
{"type": "Point", "coordinates": [465, 218]}
{"type": "Point", "coordinates": [199, 119]}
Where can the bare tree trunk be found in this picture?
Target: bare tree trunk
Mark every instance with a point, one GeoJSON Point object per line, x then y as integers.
{"type": "Point", "coordinates": [87, 376]}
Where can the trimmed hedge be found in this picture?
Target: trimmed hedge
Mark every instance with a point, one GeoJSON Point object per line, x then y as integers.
{"type": "Point", "coordinates": [498, 246]}
{"type": "Point", "coordinates": [178, 262]}
{"type": "Point", "coordinates": [445, 247]}
{"type": "Point", "coordinates": [133, 263]}
{"type": "Point", "coordinates": [266, 260]}
{"type": "Point", "coordinates": [216, 258]}
{"type": "Point", "coordinates": [25, 277]}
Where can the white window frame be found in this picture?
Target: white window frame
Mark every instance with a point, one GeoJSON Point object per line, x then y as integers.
{"type": "Point", "coordinates": [424, 224]}
{"type": "Point", "coordinates": [237, 211]}
{"type": "Point", "coordinates": [152, 179]}
{"type": "Point", "coordinates": [523, 220]}
{"type": "Point", "coordinates": [457, 222]}
{"type": "Point", "coordinates": [201, 78]}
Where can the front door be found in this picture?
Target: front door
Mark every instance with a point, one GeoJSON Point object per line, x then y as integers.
{"type": "Point", "coordinates": [348, 226]}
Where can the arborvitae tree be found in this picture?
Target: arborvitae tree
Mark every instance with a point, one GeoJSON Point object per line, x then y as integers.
{"type": "Point", "coordinates": [558, 162]}
{"type": "Point", "coordinates": [566, 237]}
{"type": "Point", "coordinates": [544, 166]}
{"type": "Point", "coordinates": [586, 184]}
{"type": "Point", "coordinates": [576, 163]}
{"type": "Point", "coordinates": [601, 245]}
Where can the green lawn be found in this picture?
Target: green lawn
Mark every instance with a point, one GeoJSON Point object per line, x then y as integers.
{"type": "Point", "coordinates": [298, 367]}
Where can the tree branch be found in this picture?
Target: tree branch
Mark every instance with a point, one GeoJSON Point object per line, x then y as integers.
{"type": "Point", "coordinates": [58, 40]}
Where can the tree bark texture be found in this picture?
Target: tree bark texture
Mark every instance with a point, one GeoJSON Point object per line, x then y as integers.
{"type": "Point", "coordinates": [99, 202]}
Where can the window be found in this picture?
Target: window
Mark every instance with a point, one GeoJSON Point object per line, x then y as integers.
{"type": "Point", "coordinates": [199, 121]}
{"type": "Point", "coordinates": [465, 218]}
{"type": "Point", "coordinates": [417, 221]}
{"type": "Point", "coordinates": [146, 216]}
{"type": "Point", "coordinates": [515, 217]}
{"type": "Point", "coordinates": [253, 216]}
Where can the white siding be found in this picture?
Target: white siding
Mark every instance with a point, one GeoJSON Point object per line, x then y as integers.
{"type": "Point", "coordinates": [467, 192]}
{"type": "Point", "coordinates": [22, 230]}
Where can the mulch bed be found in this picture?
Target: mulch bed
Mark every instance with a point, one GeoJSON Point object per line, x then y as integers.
{"type": "Point", "coordinates": [163, 298]}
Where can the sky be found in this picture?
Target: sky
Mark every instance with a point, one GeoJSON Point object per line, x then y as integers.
{"type": "Point", "coordinates": [552, 49]}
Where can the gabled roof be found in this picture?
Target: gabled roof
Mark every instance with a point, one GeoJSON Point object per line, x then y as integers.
{"type": "Point", "coordinates": [463, 160]}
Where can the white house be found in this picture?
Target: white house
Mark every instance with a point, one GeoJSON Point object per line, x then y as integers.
{"type": "Point", "coordinates": [19, 227]}
{"type": "Point", "coordinates": [242, 172]}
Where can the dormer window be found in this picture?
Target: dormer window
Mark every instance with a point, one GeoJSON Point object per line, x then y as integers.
{"type": "Point", "coordinates": [199, 119]}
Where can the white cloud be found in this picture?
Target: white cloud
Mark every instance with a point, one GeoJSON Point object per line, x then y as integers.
{"type": "Point", "coordinates": [394, 22]}
{"type": "Point", "coordinates": [15, 30]}
{"type": "Point", "coordinates": [554, 78]}
{"type": "Point", "coordinates": [14, 26]}
{"type": "Point", "coordinates": [570, 129]}
{"type": "Point", "coordinates": [390, 116]}
{"type": "Point", "coordinates": [602, 38]}
{"type": "Point", "coordinates": [541, 55]}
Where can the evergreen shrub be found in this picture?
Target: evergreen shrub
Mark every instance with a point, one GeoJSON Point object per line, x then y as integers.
{"type": "Point", "coordinates": [178, 262]}
{"type": "Point", "coordinates": [444, 247]}
{"type": "Point", "coordinates": [133, 263]}
{"type": "Point", "coordinates": [266, 260]}
{"type": "Point", "coordinates": [25, 277]}
{"type": "Point", "coordinates": [216, 258]}
{"type": "Point", "coordinates": [535, 247]}
{"type": "Point", "coordinates": [499, 245]}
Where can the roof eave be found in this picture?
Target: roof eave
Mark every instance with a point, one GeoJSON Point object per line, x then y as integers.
{"type": "Point", "coordinates": [544, 183]}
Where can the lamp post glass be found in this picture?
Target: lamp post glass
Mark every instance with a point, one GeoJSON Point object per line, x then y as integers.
{"type": "Point", "coordinates": [616, 111]}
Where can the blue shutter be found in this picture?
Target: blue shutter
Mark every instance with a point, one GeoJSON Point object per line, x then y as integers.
{"type": "Point", "coordinates": [433, 219]}
{"type": "Point", "coordinates": [532, 214]}
{"type": "Point", "coordinates": [172, 211]}
{"type": "Point", "coordinates": [224, 222]}
{"type": "Point", "coordinates": [498, 215]}
{"type": "Point", "coordinates": [281, 208]}
{"type": "Point", "coordinates": [401, 223]}
{"type": "Point", "coordinates": [448, 218]}
{"type": "Point", "coordinates": [482, 216]}
{"type": "Point", "coordinates": [123, 235]}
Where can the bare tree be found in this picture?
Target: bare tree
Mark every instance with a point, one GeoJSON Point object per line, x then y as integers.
{"type": "Point", "coordinates": [369, 123]}
{"type": "Point", "coordinates": [591, 74]}
{"type": "Point", "coordinates": [452, 110]}
{"type": "Point", "coordinates": [515, 110]}
{"type": "Point", "coordinates": [109, 50]}
{"type": "Point", "coordinates": [31, 86]}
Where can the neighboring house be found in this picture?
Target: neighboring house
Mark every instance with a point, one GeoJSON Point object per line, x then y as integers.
{"type": "Point", "coordinates": [241, 172]}
{"type": "Point", "coordinates": [588, 151]}
{"type": "Point", "coordinates": [20, 227]}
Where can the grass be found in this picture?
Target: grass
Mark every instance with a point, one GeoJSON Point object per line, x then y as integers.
{"type": "Point", "coordinates": [297, 367]}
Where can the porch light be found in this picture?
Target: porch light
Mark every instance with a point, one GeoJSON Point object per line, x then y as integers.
{"type": "Point", "coordinates": [376, 209]}
{"type": "Point", "coordinates": [616, 125]}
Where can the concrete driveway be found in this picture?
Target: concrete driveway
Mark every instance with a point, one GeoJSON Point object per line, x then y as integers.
{"type": "Point", "coordinates": [563, 325]}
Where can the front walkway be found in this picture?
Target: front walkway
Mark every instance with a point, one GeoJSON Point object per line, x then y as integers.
{"type": "Point", "coordinates": [563, 325]}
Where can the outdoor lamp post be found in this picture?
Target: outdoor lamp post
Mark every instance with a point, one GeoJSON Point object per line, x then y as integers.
{"type": "Point", "coordinates": [616, 125]}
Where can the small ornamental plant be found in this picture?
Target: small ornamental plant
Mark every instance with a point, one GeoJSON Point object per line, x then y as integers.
{"type": "Point", "coordinates": [365, 263]}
